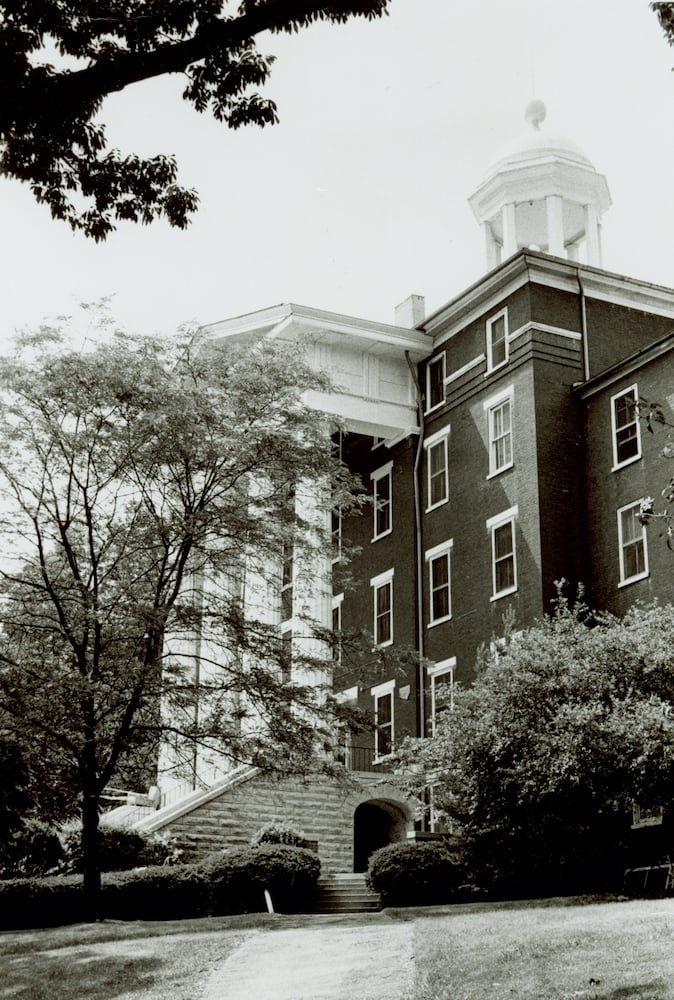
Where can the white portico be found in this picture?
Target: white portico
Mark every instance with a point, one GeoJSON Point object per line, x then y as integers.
{"type": "Point", "coordinates": [368, 363]}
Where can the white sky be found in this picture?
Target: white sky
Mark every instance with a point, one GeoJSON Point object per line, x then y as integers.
{"type": "Point", "coordinates": [359, 197]}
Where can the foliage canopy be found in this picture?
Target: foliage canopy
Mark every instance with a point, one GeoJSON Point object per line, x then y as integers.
{"type": "Point", "coordinates": [538, 763]}
{"type": "Point", "coordinates": [139, 482]}
{"type": "Point", "coordinates": [59, 59]}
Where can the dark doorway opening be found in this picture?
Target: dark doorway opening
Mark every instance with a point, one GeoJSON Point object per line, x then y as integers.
{"type": "Point", "coordinates": [375, 824]}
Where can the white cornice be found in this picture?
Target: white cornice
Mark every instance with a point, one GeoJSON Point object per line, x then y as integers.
{"type": "Point", "coordinates": [553, 272]}
{"type": "Point", "coordinates": [289, 320]}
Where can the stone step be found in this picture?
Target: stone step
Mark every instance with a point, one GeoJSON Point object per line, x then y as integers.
{"type": "Point", "coordinates": [346, 893]}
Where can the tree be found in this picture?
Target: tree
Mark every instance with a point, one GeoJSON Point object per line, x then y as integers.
{"type": "Point", "coordinates": [59, 59]}
{"type": "Point", "coordinates": [538, 763]}
{"type": "Point", "coordinates": [138, 482]}
{"type": "Point", "coordinates": [665, 14]}
{"type": "Point", "coordinates": [653, 416]}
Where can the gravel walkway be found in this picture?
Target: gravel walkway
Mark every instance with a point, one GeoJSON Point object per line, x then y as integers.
{"type": "Point", "coordinates": [364, 962]}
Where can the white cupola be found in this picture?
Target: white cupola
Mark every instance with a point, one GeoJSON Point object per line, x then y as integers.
{"type": "Point", "coordinates": [544, 193]}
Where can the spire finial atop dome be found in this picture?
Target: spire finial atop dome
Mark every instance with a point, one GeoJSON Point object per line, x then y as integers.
{"type": "Point", "coordinates": [535, 113]}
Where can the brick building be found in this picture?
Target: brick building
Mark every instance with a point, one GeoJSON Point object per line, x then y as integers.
{"type": "Point", "coordinates": [501, 444]}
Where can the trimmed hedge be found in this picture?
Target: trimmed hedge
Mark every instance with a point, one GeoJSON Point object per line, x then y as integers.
{"type": "Point", "coordinates": [238, 878]}
{"type": "Point", "coordinates": [230, 882]}
{"type": "Point", "coordinates": [414, 874]}
{"type": "Point", "coordinates": [119, 849]}
{"type": "Point", "coordinates": [278, 832]}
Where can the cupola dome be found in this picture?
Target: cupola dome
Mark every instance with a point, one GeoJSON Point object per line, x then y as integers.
{"type": "Point", "coordinates": [542, 191]}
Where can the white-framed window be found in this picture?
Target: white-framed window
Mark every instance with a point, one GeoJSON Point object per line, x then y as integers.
{"type": "Point", "coordinates": [384, 718]}
{"type": "Point", "coordinates": [438, 560]}
{"type": "Point", "coordinates": [382, 591]}
{"type": "Point", "coordinates": [437, 468]}
{"type": "Point", "coordinates": [383, 501]}
{"type": "Point", "coordinates": [441, 680]}
{"type": "Point", "coordinates": [336, 533]}
{"type": "Point", "coordinates": [435, 382]}
{"type": "Point", "coordinates": [337, 602]}
{"type": "Point", "coordinates": [287, 582]}
{"type": "Point", "coordinates": [497, 340]}
{"type": "Point", "coordinates": [632, 544]}
{"type": "Point", "coordinates": [503, 553]}
{"type": "Point", "coordinates": [499, 410]}
{"type": "Point", "coordinates": [625, 428]}
{"type": "Point", "coordinates": [286, 655]}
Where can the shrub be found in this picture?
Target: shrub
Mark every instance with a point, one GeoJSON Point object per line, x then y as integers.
{"type": "Point", "coordinates": [166, 892]}
{"type": "Point", "coordinates": [119, 849]}
{"type": "Point", "coordinates": [238, 878]}
{"type": "Point", "coordinates": [277, 832]}
{"type": "Point", "coordinates": [414, 874]}
{"type": "Point", "coordinates": [41, 902]}
{"type": "Point", "coordinates": [35, 850]}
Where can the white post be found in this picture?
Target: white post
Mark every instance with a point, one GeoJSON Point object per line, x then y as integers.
{"type": "Point", "coordinates": [509, 233]}
{"type": "Point", "coordinates": [592, 236]}
{"type": "Point", "coordinates": [554, 211]}
{"type": "Point", "coordinates": [491, 247]}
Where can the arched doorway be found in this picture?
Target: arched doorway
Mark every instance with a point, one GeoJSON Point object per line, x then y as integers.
{"type": "Point", "coordinates": [376, 823]}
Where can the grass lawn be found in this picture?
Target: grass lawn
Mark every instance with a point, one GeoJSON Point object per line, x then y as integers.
{"type": "Point", "coordinates": [552, 950]}
{"type": "Point", "coordinates": [118, 960]}
{"type": "Point", "coordinates": [548, 950]}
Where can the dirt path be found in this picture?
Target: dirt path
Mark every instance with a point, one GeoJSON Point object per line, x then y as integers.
{"type": "Point", "coordinates": [367, 962]}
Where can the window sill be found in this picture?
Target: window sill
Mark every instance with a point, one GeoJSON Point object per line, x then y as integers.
{"type": "Point", "coordinates": [440, 503]}
{"type": "Point", "coordinates": [628, 461]}
{"type": "Point", "coordinates": [382, 645]}
{"type": "Point", "coordinates": [497, 472]}
{"type": "Point", "coordinates": [375, 538]}
{"type": "Point", "coordinates": [634, 579]}
{"type": "Point", "coordinates": [439, 621]}
{"type": "Point", "coordinates": [491, 369]}
{"type": "Point", "coordinates": [503, 593]}
{"type": "Point", "coordinates": [437, 406]}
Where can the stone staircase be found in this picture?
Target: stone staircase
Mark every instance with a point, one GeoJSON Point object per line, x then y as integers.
{"type": "Point", "coordinates": [345, 894]}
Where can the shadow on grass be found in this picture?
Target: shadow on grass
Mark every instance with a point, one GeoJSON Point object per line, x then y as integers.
{"type": "Point", "coordinates": [644, 991]}
{"type": "Point", "coordinates": [101, 977]}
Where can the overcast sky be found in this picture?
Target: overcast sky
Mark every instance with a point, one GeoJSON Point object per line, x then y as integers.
{"type": "Point", "coordinates": [359, 197]}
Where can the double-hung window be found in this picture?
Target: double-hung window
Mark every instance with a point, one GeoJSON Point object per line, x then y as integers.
{"type": "Point", "coordinates": [503, 553]}
{"type": "Point", "coordinates": [625, 427]}
{"type": "Point", "coordinates": [383, 501]}
{"type": "Point", "coordinates": [497, 340]}
{"type": "Point", "coordinates": [384, 718]}
{"type": "Point", "coordinates": [499, 410]}
{"type": "Point", "coordinates": [439, 583]}
{"type": "Point", "coordinates": [441, 677]}
{"type": "Point", "coordinates": [337, 602]}
{"type": "Point", "coordinates": [287, 582]}
{"type": "Point", "coordinates": [632, 544]}
{"type": "Point", "coordinates": [437, 465]}
{"type": "Point", "coordinates": [435, 382]}
{"type": "Point", "coordinates": [382, 590]}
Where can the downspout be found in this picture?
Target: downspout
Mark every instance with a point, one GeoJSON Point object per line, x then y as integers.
{"type": "Point", "coordinates": [583, 326]}
{"type": "Point", "coordinates": [419, 547]}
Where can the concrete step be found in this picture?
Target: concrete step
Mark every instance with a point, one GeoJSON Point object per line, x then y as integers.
{"type": "Point", "coordinates": [345, 893]}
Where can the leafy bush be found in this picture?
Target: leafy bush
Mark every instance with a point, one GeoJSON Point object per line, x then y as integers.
{"type": "Point", "coordinates": [239, 877]}
{"type": "Point", "coordinates": [414, 874]}
{"type": "Point", "coordinates": [34, 850]}
{"type": "Point", "coordinates": [41, 902]}
{"type": "Point", "coordinates": [277, 832]}
{"type": "Point", "coordinates": [119, 849]}
{"type": "Point", "coordinates": [166, 892]}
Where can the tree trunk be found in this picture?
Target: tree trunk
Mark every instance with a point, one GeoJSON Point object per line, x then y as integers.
{"type": "Point", "coordinates": [91, 874]}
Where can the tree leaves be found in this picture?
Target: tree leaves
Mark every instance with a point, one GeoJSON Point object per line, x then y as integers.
{"type": "Point", "coordinates": [48, 134]}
